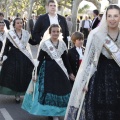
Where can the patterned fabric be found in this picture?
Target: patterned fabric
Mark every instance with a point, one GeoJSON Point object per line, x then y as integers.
{"type": "Point", "coordinates": [45, 104]}
{"type": "Point", "coordinates": [72, 114]}
{"type": "Point", "coordinates": [103, 98]}
{"type": "Point", "coordinates": [49, 98]}
{"type": "Point", "coordinates": [16, 71]}
{"type": "Point", "coordinates": [61, 48]}
{"type": "Point", "coordinates": [92, 54]}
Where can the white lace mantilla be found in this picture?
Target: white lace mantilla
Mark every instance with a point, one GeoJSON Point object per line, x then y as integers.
{"type": "Point", "coordinates": [61, 48]}
{"type": "Point", "coordinates": [25, 37]}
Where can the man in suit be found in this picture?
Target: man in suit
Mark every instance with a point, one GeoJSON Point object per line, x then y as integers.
{"type": "Point", "coordinates": [86, 25]}
{"type": "Point", "coordinates": [31, 24]}
{"type": "Point", "coordinates": [44, 21]}
{"type": "Point", "coordinates": [96, 20]}
{"type": "Point", "coordinates": [3, 20]}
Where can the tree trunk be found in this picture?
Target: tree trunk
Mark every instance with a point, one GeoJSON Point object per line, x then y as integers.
{"type": "Point", "coordinates": [74, 14]}
{"type": "Point", "coordinates": [6, 9]}
{"type": "Point", "coordinates": [30, 13]}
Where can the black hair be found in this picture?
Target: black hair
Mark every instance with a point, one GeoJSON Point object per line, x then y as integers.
{"type": "Point", "coordinates": [15, 21]}
{"type": "Point", "coordinates": [51, 1]}
{"type": "Point", "coordinates": [52, 26]}
{"type": "Point", "coordinates": [96, 12]}
{"type": "Point", "coordinates": [81, 17]}
{"type": "Point", "coordinates": [1, 14]}
{"type": "Point", "coordinates": [101, 15]}
{"type": "Point", "coordinates": [113, 7]}
{"type": "Point", "coordinates": [89, 17]}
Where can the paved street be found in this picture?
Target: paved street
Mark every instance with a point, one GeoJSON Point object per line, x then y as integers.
{"type": "Point", "coordinates": [9, 110]}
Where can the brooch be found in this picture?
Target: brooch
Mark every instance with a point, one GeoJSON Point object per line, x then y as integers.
{"type": "Point", "coordinates": [14, 37]}
{"type": "Point", "coordinates": [51, 48]}
{"type": "Point", "coordinates": [108, 41]}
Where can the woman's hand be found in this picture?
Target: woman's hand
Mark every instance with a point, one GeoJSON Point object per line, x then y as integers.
{"type": "Point", "coordinates": [34, 79]}
{"type": "Point", "coordinates": [1, 62]}
{"type": "Point", "coordinates": [85, 89]}
{"type": "Point", "coordinates": [72, 77]}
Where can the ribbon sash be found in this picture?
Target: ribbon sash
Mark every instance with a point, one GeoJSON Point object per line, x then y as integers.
{"type": "Point", "coordinates": [3, 46]}
{"type": "Point", "coordinates": [17, 43]}
{"type": "Point", "coordinates": [113, 49]}
{"type": "Point", "coordinates": [54, 55]}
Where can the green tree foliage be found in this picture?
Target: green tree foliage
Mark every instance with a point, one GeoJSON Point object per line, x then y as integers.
{"type": "Point", "coordinates": [19, 6]}
{"type": "Point", "coordinates": [83, 9]}
{"type": "Point", "coordinates": [39, 7]}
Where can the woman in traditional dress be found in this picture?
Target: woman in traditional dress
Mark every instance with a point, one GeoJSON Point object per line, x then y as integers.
{"type": "Point", "coordinates": [17, 69]}
{"type": "Point", "coordinates": [101, 65]}
{"type": "Point", "coordinates": [2, 34]}
{"type": "Point", "coordinates": [53, 87]}
{"type": "Point", "coordinates": [2, 24]}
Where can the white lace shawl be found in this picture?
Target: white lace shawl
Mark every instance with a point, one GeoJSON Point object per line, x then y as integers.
{"type": "Point", "coordinates": [2, 36]}
{"type": "Point", "coordinates": [61, 48]}
{"type": "Point", "coordinates": [25, 37]}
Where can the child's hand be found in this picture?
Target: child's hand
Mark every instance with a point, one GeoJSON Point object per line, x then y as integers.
{"type": "Point", "coordinates": [85, 89]}
{"type": "Point", "coordinates": [34, 79]}
{"type": "Point", "coordinates": [1, 62]}
{"type": "Point", "coordinates": [72, 77]}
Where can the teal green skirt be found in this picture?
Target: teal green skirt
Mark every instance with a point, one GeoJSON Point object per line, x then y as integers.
{"type": "Point", "coordinates": [33, 104]}
{"type": "Point", "coordinates": [7, 91]}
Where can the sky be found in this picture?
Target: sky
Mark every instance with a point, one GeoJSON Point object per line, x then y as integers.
{"type": "Point", "coordinates": [119, 2]}
{"type": "Point", "coordinates": [104, 3]}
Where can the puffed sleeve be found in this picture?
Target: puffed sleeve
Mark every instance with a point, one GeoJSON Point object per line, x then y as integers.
{"type": "Point", "coordinates": [1, 44]}
{"type": "Point", "coordinates": [7, 46]}
{"type": "Point", "coordinates": [40, 59]}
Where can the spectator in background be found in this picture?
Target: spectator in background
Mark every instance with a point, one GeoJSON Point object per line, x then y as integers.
{"type": "Point", "coordinates": [66, 16]}
{"type": "Point", "coordinates": [96, 19]}
{"type": "Point", "coordinates": [7, 23]}
{"type": "Point", "coordinates": [80, 23]}
{"type": "Point", "coordinates": [44, 21]}
{"type": "Point", "coordinates": [9, 19]}
{"type": "Point", "coordinates": [100, 17]}
{"type": "Point", "coordinates": [89, 18]}
{"type": "Point", "coordinates": [31, 24]}
{"type": "Point", "coordinates": [69, 23]}
{"type": "Point", "coordinates": [86, 25]}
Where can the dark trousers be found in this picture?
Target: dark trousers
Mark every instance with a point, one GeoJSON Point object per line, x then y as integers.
{"type": "Point", "coordinates": [85, 32]}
